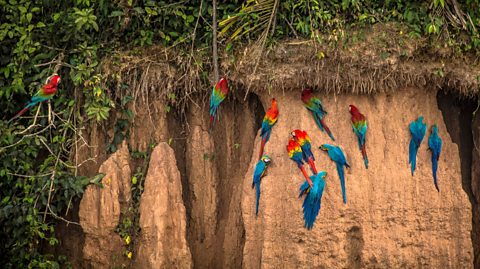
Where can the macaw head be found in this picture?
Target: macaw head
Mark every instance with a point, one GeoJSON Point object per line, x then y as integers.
{"type": "Point", "coordinates": [266, 159]}
{"type": "Point", "coordinates": [434, 129]}
{"type": "Point", "coordinates": [274, 103]}
{"type": "Point", "coordinates": [222, 85]}
{"type": "Point", "coordinates": [353, 109]}
{"type": "Point", "coordinates": [306, 94]}
{"type": "Point", "coordinates": [326, 147]}
{"type": "Point", "coordinates": [420, 119]}
{"type": "Point", "coordinates": [296, 134]}
{"type": "Point", "coordinates": [53, 79]}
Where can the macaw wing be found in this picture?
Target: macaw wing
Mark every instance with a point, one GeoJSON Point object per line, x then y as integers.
{"type": "Point", "coordinates": [265, 126]}
{"type": "Point", "coordinates": [258, 172]}
{"type": "Point", "coordinates": [304, 188]}
{"type": "Point", "coordinates": [318, 107]}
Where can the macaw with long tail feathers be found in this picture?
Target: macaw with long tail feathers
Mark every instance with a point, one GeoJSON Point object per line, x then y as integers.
{"type": "Point", "coordinates": [359, 126]}
{"type": "Point", "coordinates": [435, 146]}
{"type": "Point", "coordinates": [295, 153]}
{"type": "Point", "coordinates": [417, 129]}
{"type": "Point", "coordinates": [305, 143]}
{"type": "Point", "coordinates": [313, 198]}
{"type": "Point", "coordinates": [219, 92]}
{"type": "Point", "coordinates": [45, 93]}
{"type": "Point", "coordinates": [315, 106]}
{"type": "Point", "coordinates": [336, 154]}
{"type": "Point", "coordinates": [259, 172]}
{"type": "Point", "coordinates": [268, 121]}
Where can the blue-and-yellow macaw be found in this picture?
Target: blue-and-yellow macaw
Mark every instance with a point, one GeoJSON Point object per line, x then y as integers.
{"type": "Point", "coordinates": [417, 129]}
{"type": "Point", "coordinates": [259, 172]}
{"type": "Point", "coordinates": [337, 155]}
{"type": "Point", "coordinates": [435, 146]}
{"type": "Point", "coordinates": [313, 198]}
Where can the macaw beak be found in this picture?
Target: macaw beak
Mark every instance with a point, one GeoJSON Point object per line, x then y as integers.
{"type": "Point", "coordinates": [323, 148]}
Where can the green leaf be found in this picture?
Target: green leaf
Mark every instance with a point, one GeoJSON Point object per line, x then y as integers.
{"type": "Point", "coordinates": [29, 17]}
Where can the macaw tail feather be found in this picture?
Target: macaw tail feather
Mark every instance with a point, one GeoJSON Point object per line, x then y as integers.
{"type": "Point", "coordinates": [434, 171]}
{"type": "Point", "coordinates": [318, 121]}
{"type": "Point", "coordinates": [341, 174]}
{"type": "Point", "coordinates": [364, 155]}
{"type": "Point", "coordinates": [327, 129]}
{"type": "Point", "coordinates": [412, 155]}
{"type": "Point", "coordinates": [212, 122]}
{"type": "Point", "coordinates": [257, 187]}
{"type": "Point", "coordinates": [262, 146]}
{"type": "Point", "coordinates": [305, 174]}
{"type": "Point", "coordinates": [21, 112]}
{"type": "Point", "coordinates": [312, 165]}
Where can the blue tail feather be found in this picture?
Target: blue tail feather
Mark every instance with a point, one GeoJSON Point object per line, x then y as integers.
{"type": "Point", "coordinates": [341, 174]}
{"type": "Point", "coordinates": [257, 189]}
{"type": "Point", "coordinates": [434, 171]}
{"type": "Point", "coordinates": [412, 155]}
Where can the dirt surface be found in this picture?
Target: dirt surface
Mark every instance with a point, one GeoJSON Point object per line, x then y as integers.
{"type": "Point", "coordinates": [391, 220]}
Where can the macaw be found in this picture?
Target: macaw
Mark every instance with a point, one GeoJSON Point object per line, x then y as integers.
{"type": "Point", "coordinates": [337, 155]}
{"type": "Point", "coordinates": [313, 200]}
{"type": "Point", "coordinates": [45, 93]}
{"type": "Point", "coordinates": [258, 173]}
{"type": "Point", "coordinates": [417, 129]}
{"type": "Point", "coordinates": [219, 92]}
{"type": "Point", "coordinates": [304, 141]}
{"type": "Point", "coordinates": [268, 121]}
{"type": "Point", "coordinates": [295, 153]}
{"type": "Point", "coordinates": [315, 106]}
{"type": "Point", "coordinates": [435, 145]}
{"type": "Point", "coordinates": [359, 126]}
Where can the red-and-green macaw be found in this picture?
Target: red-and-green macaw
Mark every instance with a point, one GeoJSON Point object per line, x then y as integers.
{"type": "Point", "coordinates": [313, 200]}
{"type": "Point", "coordinates": [295, 153]}
{"type": "Point", "coordinates": [315, 106]}
{"type": "Point", "coordinates": [268, 121]}
{"type": "Point", "coordinates": [45, 93]}
{"type": "Point", "coordinates": [305, 143]}
{"type": "Point", "coordinates": [417, 129]}
{"type": "Point", "coordinates": [435, 146]}
{"type": "Point", "coordinates": [258, 173]}
{"type": "Point", "coordinates": [219, 92]}
{"type": "Point", "coordinates": [359, 125]}
{"type": "Point", "coordinates": [336, 154]}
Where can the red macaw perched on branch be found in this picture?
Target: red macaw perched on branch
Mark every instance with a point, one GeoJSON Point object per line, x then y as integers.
{"type": "Point", "coordinates": [304, 141]}
{"type": "Point", "coordinates": [268, 121]}
{"type": "Point", "coordinates": [295, 153]}
{"type": "Point", "coordinates": [219, 92]}
{"type": "Point", "coordinates": [46, 92]}
{"type": "Point", "coordinates": [315, 106]}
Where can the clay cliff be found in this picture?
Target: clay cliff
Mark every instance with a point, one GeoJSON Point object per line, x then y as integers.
{"type": "Point", "coordinates": [197, 208]}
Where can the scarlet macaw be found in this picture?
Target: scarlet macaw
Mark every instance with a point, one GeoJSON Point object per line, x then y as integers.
{"type": "Point", "coordinates": [417, 129]}
{"type": "Point", "coordinates": [359, 125]}
{"type": "Point", "coordinates": [269, 120]}
{"type": "Point", "coordinates": [295, 153]}
{"type": "Point", "coordinates": [435, 145]}
{"type": "Point", "coordinates": [219, 92]}
{"type": "Point", "coordinates": [46, 92]}
{"type": "Point", "coordinates": [304, 141]}
{"type": "Point", "coordinates": [315, 106]}
{"type": "Point", "coordinates": [258, 173]}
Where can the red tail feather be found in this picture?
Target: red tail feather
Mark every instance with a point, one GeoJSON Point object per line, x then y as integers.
{"type": "Point", "coordinates": [264, 140]}
{"type": "Point", "coordinates": [305, 174]}
{"type": "Point", "coordinates": [212, 120]}
{"type": "Point", "coordinates": [322, 122]}
{"type": "Point", "coordinates": [20, 113]}
{"type": "Point", "coordinates": [312, 165]}
{"type": "Point", "coordinates": [364, 152]}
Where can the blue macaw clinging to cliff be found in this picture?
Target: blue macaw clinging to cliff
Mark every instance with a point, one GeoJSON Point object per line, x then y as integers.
{"type": "Point", "coordinates": [417, 129]}
{"type": "Point", "coordinates": [435, 146]}
{"type": "Point", "coordinates": [258, 173]}
{"type": "Point", "coordinates": [313, 200]}
{"type": "Point", "coordinates": [337, 155]}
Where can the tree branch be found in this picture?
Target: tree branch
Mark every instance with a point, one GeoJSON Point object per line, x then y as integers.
{"type": "Point", "coordinates": [216, 75]}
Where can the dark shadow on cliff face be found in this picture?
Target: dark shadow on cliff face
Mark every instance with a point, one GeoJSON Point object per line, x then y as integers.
{"type": "Point", "coordinates": [458, 114]}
